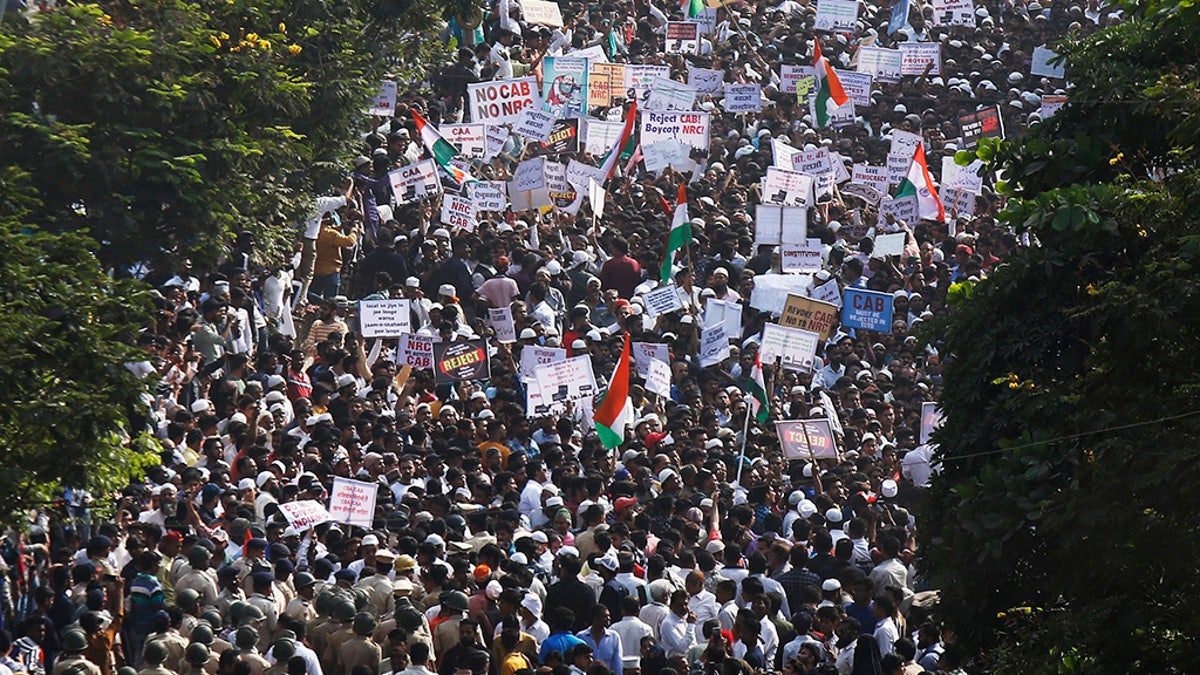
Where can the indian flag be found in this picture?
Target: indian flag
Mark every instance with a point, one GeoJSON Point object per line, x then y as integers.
{"type": "Point", "coordinates": [692, 8]}
{"type": "Point", "coordinates": [679, 236]}
{"type": "Point", "coordinates": [616, 409]}
{"type": "Point", "coordinates": [830, 95]}
{"type": "Point", "coordinates": [440, 149]}
{"type": "Point", "coordinates": [760, 405]}
{"type": "Point", "coordinates": [610, 160]}
{"type": "Point", "coordinates": [919, 184]}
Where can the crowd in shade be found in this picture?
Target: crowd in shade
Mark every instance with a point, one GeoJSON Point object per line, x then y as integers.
{"type": "Point", "coordinates": [665, 410]}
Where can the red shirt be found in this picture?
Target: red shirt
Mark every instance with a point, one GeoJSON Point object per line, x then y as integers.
{"type": "Point", "coordinates": [621, 273]}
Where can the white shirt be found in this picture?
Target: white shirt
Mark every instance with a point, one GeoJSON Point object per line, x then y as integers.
{"type": "Point", "coordinates": [676, 635]}
{"type": "Point", "coordinates": [312, 227]}
{"type": "Point", "coordinates": [632, 630]}
{"type": "Point", "coordinates": [653, 615]}
{"type": "Point", "coordinates": [704, 606]}
{"type": "Point", "coordinates": [886, 635]}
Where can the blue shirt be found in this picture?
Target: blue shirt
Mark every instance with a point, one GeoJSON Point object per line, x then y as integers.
{"type": "Point", "coordinates": [558, 642]}
{"type": "Point", "coordinates": [607, 651]}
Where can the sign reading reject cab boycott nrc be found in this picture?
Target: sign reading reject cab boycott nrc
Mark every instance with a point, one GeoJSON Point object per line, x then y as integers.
{"type": "Point", "coordinates": [461, 361]}
{"type": "Point", "coordinates": [867, 310]}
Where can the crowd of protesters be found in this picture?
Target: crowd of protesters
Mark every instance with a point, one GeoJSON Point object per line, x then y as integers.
{"type": "Point", "coordinates": [506, 542]}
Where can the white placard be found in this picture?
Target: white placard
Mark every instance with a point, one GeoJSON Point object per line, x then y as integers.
{"type": "Point", "coordinates": [352, 502]}
{"type": "Point", "coordinates": [1051, 104]}
{"type": "Point", "coordinates": [787, 188]}
{"type": "Point", "coordinates": [538, 406]}
{"type": "Point", "coordinates": [534, 124]}
{"type": "Point", "coordinates": [497, 136]}
{"type": "Point", "coordinates": [671, 95]}
{"type": "Point", "coordinates": [658, 379]}
{"type": "Point", "coordinates": [706, 80]}
{"type": "Point", "coordinates": [415, 182]}
{"type": "Point", "coordinates": [600, 136]}
{"type": "Point", "coordinates": [795, 348]}
{"type": "Point", "coordinates": [662, 154]}
{"type": "Point", "coordinates": [534, 357]}
{"type": "Point", "coordinates": [304, 513]}
{"type": "Point", "coordinates": [726, 314]}
{"type": "Point", "coordinates": [789, 75]}
{"type": "Point", "coordinates": [458, 213]}
{"type": "Point", "coordinates": [662, 300]}
{"type": "Point", "coordinates": [531, 174]}
{"type": "Point", "coordinates": [743, 98]}
{"type": "Point", "coordinates": [874, 176]}
{"type": "Point", "coordinates": [954, 13]}
{"type": "Point", "coordinates": [1041, 64]}
{"type": "Point", "coordinates": [885, 65]}
{"type": "Point", "coordinates": [897, 168]}
{"type": "Point", "coordinates": [771, 290]}
{"type": "Point", "coordinates": [415, 351]}
{"type": "Point", "coordinates": [502, 101]}
{"type": "Point", "coordinates": [568, 380]}
{"type": "Point", "coordinates": [857, 86]}
{"type": "Point", "coordinates": [691, 128]}
{"type": "Point", "coordinates": [904, 143]}
{"type": "Point", "coordinates": [543, 12]}
{"type": "Point", "coordinates": [801, 258]}
{"type": "Point", "coordinates": [384, 318]}
{"type": "Point", "coordinates": [889, 244]}
{"type": "Point", "coordinates": [915, 56]}
{"type": "Point", "coordinates": [827, 292]}
{"type": "Point", "coordinates": [714, 346]}
{"type": "Point", "coordinates": [836, 15]}
{"type": "Point", "coordinates": [962, 177]}
{"type": "Point", "coordinates": [501, 320]}
{"type": "Point", "coordinates": [384, 104]}
{"type": "Point", "coordinates": [470, 139]}
{"type": "Point", "coordinates": [645, 352]}
{"type": "Point", "coordinates": [489, 195]}
{"type": "Point", "coordinates": [639, 79]}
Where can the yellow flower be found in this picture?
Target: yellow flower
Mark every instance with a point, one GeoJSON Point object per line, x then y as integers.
{"type": "Point", "coordinates": [1091, 289]}
{"type": "Point", "coordinates": [223, 35]}
{"type": "Point", "coordinates": [282, 28]}
{"type": "Point", "coordinates": [104, 20]}
{"type": "Point", "coordinates": [216, 41]}
{"type": "Point", "coordinates": [252, 37]}
{"type": "Point", "coordinates": [1120, 156]}
{"type": "Point", "coordinates": [294, 49]}
{"type": "Point", "coordinates": [264, 44]}
{"type": "Point", "coordinates": [1013, 385]}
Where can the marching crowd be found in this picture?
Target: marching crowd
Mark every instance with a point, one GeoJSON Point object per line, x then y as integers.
{"type": "Point", "coordinates": [511, 541]}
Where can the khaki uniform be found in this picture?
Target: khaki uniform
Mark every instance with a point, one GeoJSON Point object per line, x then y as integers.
{"type": "Point", "coordinates": [379, 594]}
{"type": "Point", "coordinates": [358, 651]}
{"type": "Point", "coordinates": [75, 664]}
{"type": "Point", "coordinates": [156, 670]}
{"type": "Point", "coordinates": [329, 660]}
{"type": "Point", "coordinates": [266, 633]}
{"type": "Point", "coordinates": [319, 631]}
{"type": "Point", "coordinates": [204, 583]}
{"type": "Point", "coordinates": [301, 610]}
{"type": "Point", "coordinates": [175, 643]}
{"type": "Point", "coordinates": [258, 665]}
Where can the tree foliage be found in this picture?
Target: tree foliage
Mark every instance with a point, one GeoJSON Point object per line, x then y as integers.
{"type": "Point", "coordinates": [1062, 531]}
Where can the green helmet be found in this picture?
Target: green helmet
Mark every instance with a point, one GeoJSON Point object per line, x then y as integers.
{"type": "Point", "coordinates": [325, 602]}
{"type": "Point", "coordinates": [251, 614]}
{"type": "Point", "coordinates": [154, 653]}
{"type": "Point", "coordinates": [187, 599]}
{"type": "Point", "coordinates": [364, 624]}
{"type": "Point", "coordinates": [126, 670]}
{"type": "Point", "coordinates": [213, 618]}
{"type": "Point", "coordinates": [283, 650]}
{"type": "Point", "coordinates": [303, 580]}
{"type": "Point", "coordinates": [361, 599]}
{"type": "Point", "coordinates": [246, 637]}
{"type": "Point", "coordinates": [75, 641]}
{"type": "Point", "coordinates": [197, 654]}
{"type": "Point", "coordinates": [236, 609]}
{"type": "Point", "coordinates": [202, 634]}
{"type": "Point", "coordinates": [344, 610]}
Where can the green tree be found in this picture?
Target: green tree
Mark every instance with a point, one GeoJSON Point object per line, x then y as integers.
{"type": "Point", "coordinates": [1062, 531]}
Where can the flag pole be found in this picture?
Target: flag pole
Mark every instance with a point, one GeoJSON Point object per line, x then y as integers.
{"type": "Point", "coordinates": [745, 438]}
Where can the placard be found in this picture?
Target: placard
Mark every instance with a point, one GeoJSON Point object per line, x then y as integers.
{"type": "Point", "coordinates": [828, 292]}
{"type": "Point", "coordinates": [771, 290]}
{"type": "Point", "coordinates": [690, 128]}
{"type": "Point", "coordinates": [788, 188]}
{"type": "Point", "coordinates": [489, 195]}
{"type": "Point", "coordinates": [954, 13]}
{"type": "Point", "coordinates": [957, 201]}
{"type": "Point", "coordinates": [415, 351]}
{"type": "Point", "coordinates": [534, 124]}
{"type": "Point", "coordinates": [538, 406]}
{"type": "Point", "coordinates": [795, 348]}
{"type": "Point", "coordinates": [1041, 64]}
{"type": "Point", "coordinates": [660, 155]}
{"type": "Point", "coordinates": [902, 209]}
{"type": "Point", "coordinates": [874, 176]}
{"type": "Point", "coordinates": [600, 136]}
{"type": "Point", "coordinates": [867, 310]}
{"type": "Point", "coordinates": [305, 513]}
{"type": "Point", "coordinates": [531, 175]}
{"type": "Point", "coordinates": [885, 65]}
{"type": "Point", "coordinates": [460, 361]}
{"type": "Point", "coordinates": [497, 136]}
{"type": "Point", "coordinates": [384, 103]}
{"type": "Point", "coordinates": [743, 98]}
{"type": "Point", "coordinates": [352, 502]}
{"type": "Point", "coordinates": [384, 318]}
{"type": "Point", "coordinates": [800, 258]}
{"type": "Point", "coordinates": [600, 89]}
{"type": "Point", "coordinates": [790, 74]}
{"type": "Point", "coordinates": [658, 379]}
{"type": "Point", "coordinates": [986, 123]}
{"type": "Point", "coordinates": [564, 137]}
{"type": "Point", "coordinates": [414, 182]}
{"type": "Point", "coordinates": [707, 80]}
{"type": "Point", "coordinates": [645, 352]}
{"type": "Point", "coordinates": [857, 86]}
{"type": "Point", "coordinates": [1051, 104]}
{"type": "Point", "coordinates": [542, 12]}
{"type": "Point", "coordinates": [726, 314]}
{"type": "Point", "coordinates": [671, 95]}
{"type": "Point", "coordinates": [863, 191]}
{"type": "Point", "coordinates": [469, 139]}
{"type": "Point", "coordinates": [811, 315]}
{"type": "Point", "coordinates": [915, 56]}
{"type": "Point", "coordinates": [889, 244]}
{"type": "Point", "coordinates": [683, 37]}
{"type": "Point", "coordinates": [967, 177]}
{"type": "Point", "coordinates": [501, 320]}
{"type": "Point", "coordinates": [897, 169]}
{"type": "Point", "coordinates": [662, 300]}
{"type": "Point", "coordinates": [714, 346]}
{"type": "Point", "coordinates": [535, 356]}
{"type": "Point", "coordinates": [836, 15]}
{"type": "Point", "coordinates": [639, 78]}
{"type": "Point", "coordinates": [806, 439]}
{"type": "Point", "coordinates": [564, 86]}
{"type": "Point", "coordinates": [458, 213]}
{"type": "Point", "coordinates": [502, 101]}
{"type": "Point", "coordinates": [904, 144]}
{"type": "Point", "coordinates": [931, 420]}
{"type": "Point", "coordinates": [568, 380]}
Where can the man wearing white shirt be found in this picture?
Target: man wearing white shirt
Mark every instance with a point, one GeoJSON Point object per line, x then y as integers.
{"type": "Point", "coordinates": [701, 603]}
{"type": "Point", "coordinates": [312, 227]}
{"type": "Point", "coordinates": [632, 630]}
{"type": "Point", "coordinates": [678, 632]}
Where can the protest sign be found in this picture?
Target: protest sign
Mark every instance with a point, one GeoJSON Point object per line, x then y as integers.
{"type": "Point", "coordinates": [599, 136]}
{"type": "Point", "coordinates": [916, 56]}
{"type": "Point", "coordinates": [461, 361]}
{"type": "Point", "coordinates": [502, 101]}
{"type": "Point", "coordinates": [564, 137]}
{"type": "Point", "coordinates": [671, 95]}
{"type": "Point", "coordinates": [800, 258]}
{"type": "Point", "coordinates": [1041, 64]}
{"type": "Point", "coordinates": [415, 351]}
{"type": "Point", "coordinates": [838, 165]}
{"type": "Point", "coordinates": [639, 79]}
{"type": "Point", "coordinates": [867, 310]}
{"type": "Point", "coordinates": [600, 89]}
{"type": "Point", "coordinates": [596, 196]}
{"type": "Point", "coordinates": [645, 352]}
{"type": "Point", "coordinates": [534, 124]}
{"type": "Point", "coordinates": [986, 123]}
{"type": "Point", "coordinates": [706, 80]}
{"type": "Point", "coordinates": [806, 439]}
{"type": "Point", "coordinates": [415, 182]}
{"type": "Point", "coordinates": [874, 176]}
{"type": "Point", "coordinates": [783, 155]}
{"type": "Point", "coordinates": [580, 175]}
{"type": "Point", "coordinates": [857, 86]}
{"type": "Point", "coordinates": [658, 379]}
{"type": "Point", "coordinates": [768, 224]}
{"type": "Point", "coordinates": [488, 195]}
{"type": "Point", "coordinates": [967, 177]}
{"type": "Point", "coordinates": [594, 54]}
{"type": "Point", "coordinates": [957, 201]}
{"type": "Point", "coordinates": [889, 244]}
{"type": "Point", "coordinates": [904, 143]}
{"type": "Point", "coordinates": [568, 380]}
{"type": "Point", "coordinates": [458, 213]}
{"type": "Point", "coordinates": [534, 357]}
{"type": "Point", "coordinates": [904, 208]}
{"type": "Point", "coordinates": [865, 192]}
{"type": "Point", "coordinates": [885, 65]}
{"type": "Point", "coordinates": [384, 103]}
{"type": "Point", "coordinates": [501, 320]}
{"type": "Point", "coordinates": [469, 139]}
{"type": "Point", "coordinates": [543, 12]}
{"type": "Point", "coordinates": [810, 315]}
{"type": "Point", "coordinates": [897, 168]}
{"type": "Point", "coordinates": [497, 136]}
{"type": "Point", "coordinates": [714, 346]}
{"type": "Point", "coordinates": [383, 318]}
{"type": "Point", "coordinates": [931, 419]}
{"type": "Point", "coordinates": [771, 290]}
{"type": "Point", "coordinates": [812, 162]}
{"type": "Point", "coordinates": [531, 174]}
{"type": "Point", "coordinates": [827, 292]}
{"type": "Point", "coordinates": [795, 348]}
{"type": "Point", "coordinates": [683, 37]}
{"type": "Point", "coordinates": [304, 514]}
{"type": "Point", "coordinates": [538, 406]}
{"type": "Point", "coordinates": [789, 75]}
{"type": "Point", "coordinates": [352, 502]}
{"type": "Point", "coordinates": [805, 86]}
{"type": "Point", "coordinates": [836, 15]}
{"type": "Point", "coordinates": [743, 98]}
{"type": "Point", "coordinates": [560, 192]}
{"type": "Point", "coordinates": [564, 86]}
{"type": "Point", "coordinates": [1051, 104]}
{"type": "Point", "coordinates": [726, 314]}
{"type": "Point", "coordinates": [954, 13]}
{"type": "Point", "coordinates": [615, 73]}
{"type": "Point", "coordinates": [660, 155]}
{"type": "Point", "coordinates": [789, 188]}
{"type": "Point", "coordinates": [662, 300]}
{"type": "Point", "coordinates": [691, 128]}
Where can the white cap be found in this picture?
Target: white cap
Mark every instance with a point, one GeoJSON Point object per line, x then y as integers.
{"type": "Point", "coordinates": [806, 508]}
{"type": "Point", "coordinates": [435, 539]}
{"type": "Point", "coordinates": [370, 540]}
{"type": "Point", "coordinates": [834, 515]}
{"type": "Point", "coordinates": [889, 488]}
{"type": "Point", "coordinates": [532, 603]}
{"type": "Point", "coordinates": [831, 585]}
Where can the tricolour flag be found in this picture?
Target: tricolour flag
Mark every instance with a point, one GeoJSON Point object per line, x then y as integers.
{"type": "Point", "coordinates": [610, 160]}
{"type": "Point", "coordinates": [919, 184]}
{"type": "Point", "coordinates": [440, 149]}
{"type": "Point", "coordinates": [616, 409]}
{"type": "Point", "coordinates": [760, 405]}
{"type": "Point", "coordinates": [692, 8]}
{"type": "Point", "coordinates": [679, 236]}
{"type": "Point", "coordinates": [830, 95]}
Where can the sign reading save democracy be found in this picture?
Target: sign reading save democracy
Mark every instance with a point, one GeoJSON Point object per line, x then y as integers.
{"type": "Point", "coordinates": [867, 310]}
{"type": "Point", "coordinates": [461, 361]}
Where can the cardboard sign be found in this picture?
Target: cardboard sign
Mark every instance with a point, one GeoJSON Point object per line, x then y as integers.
{"type": "Point", "coordinates": [645, 352]}
{"type": "Point", "coordinates": [867, 310]}
{"type": "Point", "coordinates": [836, 15]}
{"type": "Point", "coordinates": [497, 136]}
{"type": "Point", "coordinates": [352, 502]}
{"type": "Point", "coordinates": [538, 406]}
{"type": "Point", "coordinates": [501, 320]}
{"type": "Point", "coordinates": [416, 351]}
{"type": "Point", "coordinates": [599, 136]}
{"type": "Point", "coordinates": [639, 79]}
{"type": "Point", "coordinates": [795, 348]}
{"type": "Point", "coordinates": [690, 128]}
{"type": "Point", "coordinates": [305, 513]}
{"type": "Point", "coordinates": [1051, 104]}
{"type": "Point", "coordinates": [874, 176]}
{"type": "Point", "coordinates": [683, 37]}
{"type": "Point", "coordinates": [1041, 64]}
{"type": "Point", "coordinates": [967, 177]}
{"type": "Point", "coordinates": [662, 300]}
{"type": "Point", "coordinates": [986, 123]}
{"type": "Point", "coordinates": [384, 103]}
{"type": "Point", "coordinates": [789, 75]}
{"type": "Point", "coordinates": [531, 174]}
{"type": "Point", "coordinates": [706, 80]}
{"type": "Point", "coordinates": [601, 89]}
{"type": "Point", "coordinates": [885, 65]}
{"type": "Point", "coordinates": [726, 314]}
{"type": "Point", "coordinates": [534, 357]}
{"type": "Point", "coordinates": [469, 139]}
{"type": "Point", "coordinates": [857, 86]}
{"type": "Point", "coordinates": [383, 318]}
{"type": "Point", "coordinates": [800, 258]}
{"type": "Point", "coordinates": [415, 182]}
{"type": "Point", "coordinates": [954, 13]}
{"type": "Point", "coordinates": [889, 244]}
{"type": "Point", "coordinates": [502, 101]}
{"type": "Point", "coordinates": [714, 346]}
{"type": "Point", "coordinates": [568, 380]}
{"type": "Point", "coordinates": [459, 213]}
{"type": "Point", "coordinates": [743, 98]}
{"type": "Point", "coordinates": [543, 12]}
{"type": "Point", "coordinates": [658, 379]}
{"type": "Point", "coordinates": [931, 419]}
{"type": "Point", "coordinates": [788, 188]}
{"type": "Point", "coordinates": [461, 361]}
{"type": "Point", "coordinates": [771, 291]}
{"type": "Point", "coordinates": [534, 124]}
{"type": "Point", "coordinates": [806, 439]}
{"type": "Point", "coordinates": [564, 86]}
{"type": "Point", "coordinates": [915, 56]}
{"type": "Point", "coordinates": [827, 292]}
{"type": "Point", "coordinates": [489, 195]}
{"type": "Point", "coordinates": [811, 315]}
{"type": "Point", "coordinates": [671, 95]}
{"type": "Point", "coordinates": [957, 201]}
{"type": "Point", "coordinates": [662, 154]}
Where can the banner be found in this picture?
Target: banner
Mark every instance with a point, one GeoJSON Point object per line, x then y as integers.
{"type": "Point", "coordinates": [743, 98]}
{"type": "Point", "coordinates": [461, 361]}
{"type": "Point", "coordinates": [501, 320]}
{"type": "Point", "coordinates": [806, 439]}
{"type": "Point", "coordinates": [534, 124]}
{"type": "Point", "coordinates": [811, 315]}
{"type": "Point", "coordinates": [645, 352]}
{"type": "Point", "coordinates": [305, 513]}
{"type": "Point", "coordinates": [885, 65]}
{"type": "Point", "coordinates": [691, 128]}
{"type": "Point", "coordinates": [837, 15]}
{"type": "Point", "coordinates": [789, 188]}
{"type": "Point", "coordinates": [502, 101]}
{"type": "Point", "coordinates": [683, 37]}
{"type": "Point", "coordinates": [564, 86]}
{"type": "Point", "coordinates": [800, 258]}
{"type": "Point", "coordinates": [954, 13]}
{"type": "Point", "coordinates": [383, 318]}
{"type": "Point", "coordinates": [706, 80]}
{"type": "Point", "coordinates": [714, 346]}
{"type": "Point", "coordinates": [867, 310]}
{"type": "Point", "coordinates": [543, 12]}
{"type": "Point", "coordinates": [352, 502]}
{"type": "Point", "coordinates": [986, 123]}
{"type": "Point", "coordinates": [915, 56]}
{"type": "Point", "coordinates": [931, 419]}
{"type": "Point", "coordinates": [416, 351]}
{"type": "Point", "coordinates": [489, 195]}
{"type": "Point", "coordinates": [458, 213]}
{"type": "Point", "coordinates": [671, 95]}
{"type": "Point", "coordinates": [469, 139]}
{"type": "Point", "coordinates": [384, 104]}
{"type": "Point", "coordinates": [568, 380]}
{"type": "Point", "coordinates": [415, 182]}
{"type": "Point", "coordinates": [795, 348]}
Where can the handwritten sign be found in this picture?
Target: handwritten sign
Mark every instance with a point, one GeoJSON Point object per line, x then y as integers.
{"type": "Point", "coordinates": [384, 103]}
{"type": "Point", "coordinates": [415, 351]}
{"type": "Point", "coordinates": [795, 348]}
{"type": "Point", "coordinates": [534, 124]}
{"type": "Point", "coordinates": [534, 357]}
{"type": "Point", "coordinates": [304, 514]}
{"type": "Point", "coordinates": [802, 258]}
{"type": "Point", "coordinates": [810, 315]}
{"type": "Point", "coordinates": [488, 195]}
{"type": "Point", "coordinates": [1041, 64]}
{"type": "Point", "coordinates": [470, 139]}
{"type": "Point", "coordinates": [743, 98]}
{"type": "Point", "coordinates": [352, 502]}
{"type": "Point", "coordinates": [384, 318]}
{"type": "Point", "coordinates": [501, 320]}
{"type": "Point", "coordinates": [543, 12]}
{"type": "Point", "coordinates": [645, 352]}
{"type": "Point", "coordinates": [714, 346]}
